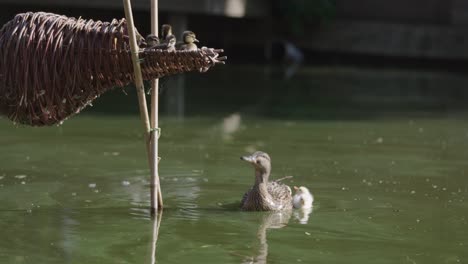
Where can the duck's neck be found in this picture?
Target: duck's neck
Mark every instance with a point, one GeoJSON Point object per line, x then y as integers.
{"type": "Point", "coordinates": [261, 181]}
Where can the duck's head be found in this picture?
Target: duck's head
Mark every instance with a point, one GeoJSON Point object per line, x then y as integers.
{"type": "Point", "coordinates": [260, 160]}
{"type": "Point", "coordinates": [189, 37]}
{"type": "Point", "coordinates": [166, 30]}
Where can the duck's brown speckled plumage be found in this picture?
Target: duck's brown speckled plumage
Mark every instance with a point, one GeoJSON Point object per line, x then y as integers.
{"type": "Point", "coordinates": [265, 195]}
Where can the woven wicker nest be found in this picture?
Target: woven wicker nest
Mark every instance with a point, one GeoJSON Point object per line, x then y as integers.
{"type": "Point", "coordinates": [52, 66]}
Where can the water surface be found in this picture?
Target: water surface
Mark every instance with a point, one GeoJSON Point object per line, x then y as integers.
{"type": "Point", "coordinates": [389, 189]}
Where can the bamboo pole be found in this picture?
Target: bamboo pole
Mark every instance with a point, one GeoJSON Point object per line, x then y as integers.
{"type": "Point", "coordinates": [141, 93]}
{"type": "Point", "coordinates": [155, 134]}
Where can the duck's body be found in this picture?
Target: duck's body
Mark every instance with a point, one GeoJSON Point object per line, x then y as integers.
{"type": "Point", "coordinates": [302, 199]}
{"type": "Point", "coordinates": [271, 196]}
{"type": "Point", "coordinates": [265, 195]}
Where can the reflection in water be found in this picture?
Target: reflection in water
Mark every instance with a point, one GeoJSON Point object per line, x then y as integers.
{"type": "Point", "coordinates": [231, 124]}
{"type": "Point", "coordinates": [270, 220]}
{"type": "Point", "coordinates": [154, 240]}
{"type": "Point", "coordinates": [302, 215]}
{"type": "Point", "coordinates": [274, 220]}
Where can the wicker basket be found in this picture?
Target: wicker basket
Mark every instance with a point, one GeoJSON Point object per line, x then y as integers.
{"type": "Point", "coordinates": [52, 66]}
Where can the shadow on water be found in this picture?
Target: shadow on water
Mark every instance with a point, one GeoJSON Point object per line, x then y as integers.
{"type": "Point", "coordinates": [314, 93]}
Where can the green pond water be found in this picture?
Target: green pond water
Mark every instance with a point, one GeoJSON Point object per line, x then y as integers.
{"type": "Point", "coordinates": [389, 188]}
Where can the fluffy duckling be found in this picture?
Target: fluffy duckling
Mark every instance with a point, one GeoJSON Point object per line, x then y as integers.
{"type": "Point", "coordinates": [169, 46]}
{"type": "Point", "coordinates": [265, 195]}
{"type": "Point", "coordinates": [152, 41]}
{"type": "Point", "coordinates": [302, 198]}
{"type": "Point", "coordinates": [170, 43]}
{"type": "Point", "coordinates": [166, 30]}
{"type": "Point", "coordinates": [189, 38]}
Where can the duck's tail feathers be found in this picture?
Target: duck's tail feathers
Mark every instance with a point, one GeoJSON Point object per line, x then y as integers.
{"type": "Point", "coordinates": [284, 178]}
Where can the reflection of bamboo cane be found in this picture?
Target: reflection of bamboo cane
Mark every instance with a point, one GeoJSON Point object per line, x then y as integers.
{"type": "Point", "coordinates": [156, 224]}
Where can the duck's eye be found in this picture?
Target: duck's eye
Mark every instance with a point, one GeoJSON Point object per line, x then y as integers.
{"type": "Point", "coordinates": [258, 161]}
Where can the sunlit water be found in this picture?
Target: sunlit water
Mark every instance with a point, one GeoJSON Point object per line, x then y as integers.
{"type": "Point", "coordinates": [387, 190]}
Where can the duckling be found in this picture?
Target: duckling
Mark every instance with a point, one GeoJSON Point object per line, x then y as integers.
{"type": "Point", "coordinates": [265, 195]}
{"type": "Point", "coordinates": [166, 30]}
{"type": "Point", "coordinates": [167, 38]}
{"type": "Point", "coordinates": [302, 198]}
{"type": "Point", "coordinates": [169, 46]}
{"type": "Point", "coordinates": [188, 38]}
{"type": "Point", "coordinates": [152, 41]}
{"type": "Point", "coordinates": [170, 43]}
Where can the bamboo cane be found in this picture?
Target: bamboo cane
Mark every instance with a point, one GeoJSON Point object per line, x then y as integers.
{"type": "Point", "coordinates": [155, 116]}
{"type": "Point", "coordinates": [141, 94]}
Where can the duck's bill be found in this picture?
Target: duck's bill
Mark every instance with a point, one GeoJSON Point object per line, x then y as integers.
{"type": "Point", "coordinates": [248, 159]}
{"type": "Point", "coordinates": [196, 40]}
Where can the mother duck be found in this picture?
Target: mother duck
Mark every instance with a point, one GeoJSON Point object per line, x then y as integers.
{"type": "Point", "coordinates": [265, 195]}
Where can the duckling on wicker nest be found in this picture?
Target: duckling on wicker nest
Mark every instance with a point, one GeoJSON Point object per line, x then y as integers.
{"type": "Point", "coordinates": [188, 41]}
{"type": "Point", "coordinates": [265, 195]}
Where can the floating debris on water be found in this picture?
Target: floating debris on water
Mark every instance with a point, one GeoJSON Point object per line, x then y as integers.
{"type": "Point", "coordinates": [23, 182]}
{"type": "Point", "coordinates": [307, 233]}
{"type": "Point", "coordinates": [21, 176]}
{"type": "Point", "coordinates": [205, 246]}
{"type": "Point", "coordinates": [413, 192]}
{"type": "Point", "coordinates": [125, 183]}
{"type": "Point", "coordinates": [115, 153]}
{"type": "Point", "coordinates": [92, 185]}
{"type": "Point", "coordinates": [231, 124]}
